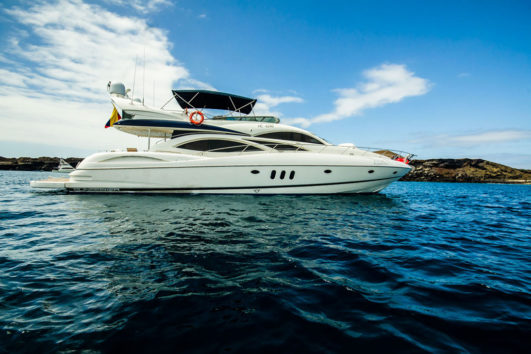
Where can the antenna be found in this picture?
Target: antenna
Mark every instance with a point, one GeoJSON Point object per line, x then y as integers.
{"type": "Point", "coordinates": [134, 79]}
{"type": "Point", "coordinates": [144, 77]}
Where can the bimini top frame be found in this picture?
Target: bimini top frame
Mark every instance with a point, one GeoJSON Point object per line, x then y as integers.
{"type": "Point", "coordinates": [201, 99]}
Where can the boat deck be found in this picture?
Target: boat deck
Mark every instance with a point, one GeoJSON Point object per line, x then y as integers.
{"type": "Point", "coordinates": [50, 183]}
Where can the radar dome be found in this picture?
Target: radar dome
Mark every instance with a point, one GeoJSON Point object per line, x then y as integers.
{"type": "Point", "coordinates": [117, 88]}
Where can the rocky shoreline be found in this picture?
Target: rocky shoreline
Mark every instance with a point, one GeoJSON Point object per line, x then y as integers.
{"type": "Point", "coordinates": [34, 164]}
{"type": "Point", "coordinates": [466, 170]}
{"type": "Point", "coordinates": [433, 170]}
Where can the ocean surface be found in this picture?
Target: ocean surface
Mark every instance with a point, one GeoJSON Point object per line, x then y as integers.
{"type": "Point", "coordinates": [419, 267]}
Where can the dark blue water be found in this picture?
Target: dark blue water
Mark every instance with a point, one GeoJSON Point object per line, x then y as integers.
{"type": "Point", "coordinates": [420, 267]}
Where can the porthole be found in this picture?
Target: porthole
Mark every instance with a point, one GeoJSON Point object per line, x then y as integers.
{"type": "Point", "coordinates": [282, 174]}
{"type": "Point", "coordinates": [394, 172]}
{"type": "Point", "coordinates": [371, 171]}
{"type": "Point", "coordinates": [273, 174]}
{"type": "Point", "coordinates": [327, 171]}
{"type": "Point", "coordinates": [291, 174]}
{"type": "Point", "coordinates": [255, 172]}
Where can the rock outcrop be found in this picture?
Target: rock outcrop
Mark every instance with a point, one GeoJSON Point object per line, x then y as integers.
{"type": "Point", "coordinates": [34, 164]}
{"type": "Point", "coordinates": [462, 170]}
{"type": "Point", "coordinates": [466, 170]}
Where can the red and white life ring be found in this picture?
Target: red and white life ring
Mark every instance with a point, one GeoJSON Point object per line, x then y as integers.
{"type": "Point", "coordinates": [195, 121]}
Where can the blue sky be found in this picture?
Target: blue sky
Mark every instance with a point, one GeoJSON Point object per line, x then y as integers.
{"type": "Point", "coordinates": [440, 79]}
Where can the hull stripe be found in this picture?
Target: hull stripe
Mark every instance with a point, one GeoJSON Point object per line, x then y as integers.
{"type": "Point", "coordinates": [117, 189]}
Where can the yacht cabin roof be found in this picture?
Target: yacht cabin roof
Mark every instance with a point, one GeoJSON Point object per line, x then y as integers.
{"type": "Point", "coordinates": [201, 99]}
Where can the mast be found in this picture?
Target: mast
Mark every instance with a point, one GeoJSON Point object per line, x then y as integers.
{"type": "Point", "coordinates": [144, 77]}
{"type": "Point", "coordinates": [134, 79]}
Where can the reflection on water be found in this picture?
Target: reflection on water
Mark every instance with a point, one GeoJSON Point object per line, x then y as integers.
{"type": "Point", "coordinates": [421, 266]}
{"type": "Point", "coordinates": [192, 236]}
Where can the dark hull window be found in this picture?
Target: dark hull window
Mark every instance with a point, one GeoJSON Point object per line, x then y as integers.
{"type": "Point", "coordinates": [292, 136]}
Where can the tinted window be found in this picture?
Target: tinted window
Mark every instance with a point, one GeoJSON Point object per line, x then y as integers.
{"type": "Point", "coordinates": [217, 145]}
{"type": "Point", "coordinates": [293, 136]}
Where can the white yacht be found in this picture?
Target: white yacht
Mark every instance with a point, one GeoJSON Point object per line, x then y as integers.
{"type": "Point", "coordinates": [64, 167]}
{"type": "Point", "coordinates": [233, 153]}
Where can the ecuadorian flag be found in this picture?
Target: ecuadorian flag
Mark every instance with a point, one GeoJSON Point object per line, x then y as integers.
{"type": "Point", "coordinates": [115, 117]}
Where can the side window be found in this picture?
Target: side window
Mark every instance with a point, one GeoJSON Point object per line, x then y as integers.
{"type": "Point", "coordinates": [217, 146]}
{"type": "Point", "coordinates": [293, 136]}
{"type": "Point", "coordinates": [198, 145]}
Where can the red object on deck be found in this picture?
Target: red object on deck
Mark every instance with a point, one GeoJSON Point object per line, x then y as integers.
{"type": "Point", "coordinates": [403, 159]}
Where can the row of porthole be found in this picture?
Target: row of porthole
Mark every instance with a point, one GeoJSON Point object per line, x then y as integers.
{"type": "Point", "coordinates": [274, 174]}
{"type": "Point", "coordinates": [282, 174]}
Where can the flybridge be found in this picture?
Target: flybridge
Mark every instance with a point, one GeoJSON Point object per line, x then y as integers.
{"type": "Point", "coordinates": [204, 99]}
{"type": "Point", "coordinates": [196, 99]}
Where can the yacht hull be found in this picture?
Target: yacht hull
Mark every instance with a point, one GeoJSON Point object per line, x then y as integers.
{"type": "Point", "coordinates": [285, 173]}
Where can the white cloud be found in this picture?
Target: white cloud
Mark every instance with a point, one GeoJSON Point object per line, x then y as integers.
{"type": "Point", "coordinates": [266, 102]}
{"type": "Point", "coordinates": [142, 6]}
{"type": "Point", "coordinates": [387, 83]}
{"type": "Point", "coordinates": [492, 137]}
{"type": "Point", "coordinates": [78, 47]}
{"type": "Point", "coordinates": [63, 123]}
{"type": "Point", "coordinates": [463, 75]}
{"type": "Point", "coordinates": [54, 83]}
{"type": "Point", "coordinates": [202, 16]}
{"type": "Point", "coordinates": [485, 139]}
{"type": "Point", "coordinates": [273, 101]}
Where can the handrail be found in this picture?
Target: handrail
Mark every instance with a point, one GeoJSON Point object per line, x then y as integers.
{"type": "Point", "coordinates": [401, 152]}
{"type": "Point", "coordinates": [270, 145]}
{"type": "Point", "coordinates": [228, 147]}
